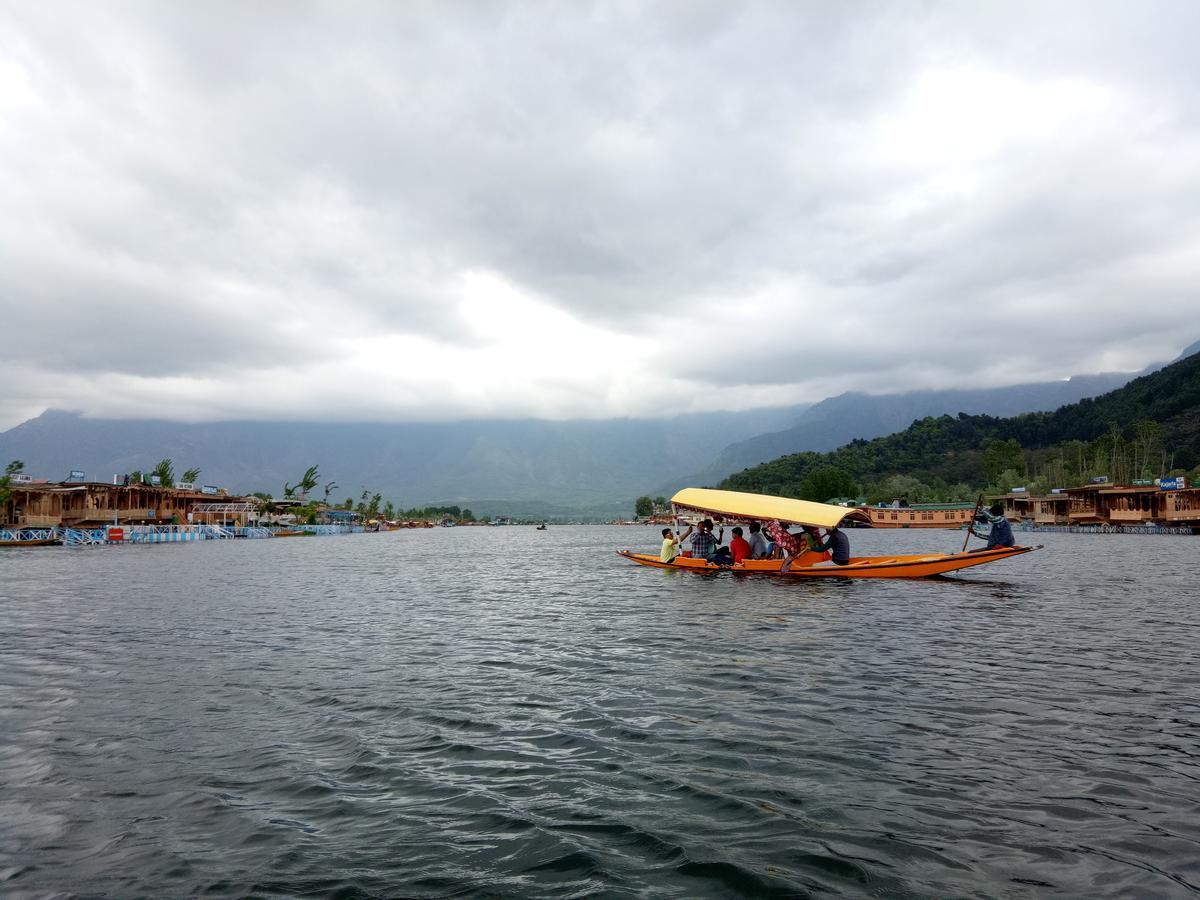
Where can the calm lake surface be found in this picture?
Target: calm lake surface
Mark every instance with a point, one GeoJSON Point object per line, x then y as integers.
{"type": "Point", "coordinates": [502, 712]}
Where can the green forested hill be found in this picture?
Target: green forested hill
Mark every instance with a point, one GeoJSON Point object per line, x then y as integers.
{"type": "Point", "coordinates": [1147, 428]}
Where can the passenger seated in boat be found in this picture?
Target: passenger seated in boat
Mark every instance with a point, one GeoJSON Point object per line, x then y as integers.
{"type": "Point", "coordinates": [723, 557]}
{"type": "Point", "coordinates": [838, 544]}
{"type": "Point", "coordinates": [784, 542]}
{"type": "Point", "coordinates": [812, 537]}
{"type": "Point", "coordinates": [759, 548]}
{"type": "Point", "coordinates": [704, 545]}
{"type": "Point", "coordinates": [739, 547]}
{"type": "Point", "coordinates": [670, 546]}
{"type": "Point", "coordinates": [1001, 534]}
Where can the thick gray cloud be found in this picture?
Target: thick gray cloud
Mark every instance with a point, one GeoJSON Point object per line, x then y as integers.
{"type": "Point", "coordinates": [435, 210]}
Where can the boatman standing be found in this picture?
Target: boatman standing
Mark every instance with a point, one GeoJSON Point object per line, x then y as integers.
{"type": "Point", "coordinates": [1001, 534]}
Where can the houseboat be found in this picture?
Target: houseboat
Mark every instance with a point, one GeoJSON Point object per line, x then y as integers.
{"type": "Point", "coordinates": [920, 515]}
{"type": "Point", "coordinates": [1049, 509]}
{"type": "Point", "coordinates": [96, 504]}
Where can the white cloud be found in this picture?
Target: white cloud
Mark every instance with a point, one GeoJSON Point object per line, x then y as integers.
{"type": "Point", "coordinates": [452, 210]}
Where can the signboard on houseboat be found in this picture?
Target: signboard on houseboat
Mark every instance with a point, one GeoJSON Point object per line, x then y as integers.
{"type": "Point", "coordinates": [1173, 484]}
{"type": "Point", "coordinates": [209, 489]}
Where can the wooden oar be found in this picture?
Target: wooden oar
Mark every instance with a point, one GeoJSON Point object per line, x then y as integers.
{"type": "Point", "coordinates": [971, 523]}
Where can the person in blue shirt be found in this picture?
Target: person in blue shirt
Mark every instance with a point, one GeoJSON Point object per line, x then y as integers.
{"type": "Point", "coordinates": [1001, 534]}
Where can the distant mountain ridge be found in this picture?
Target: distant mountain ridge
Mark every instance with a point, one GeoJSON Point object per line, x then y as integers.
{"type": "Point", "coordinates": [951, 448]}
{"type": "Point", "coordinates": [846, 417]}
{"type": "Point", "coordinates": [524, 467]}
{"type": "Point", "coordinates": [521, 467]}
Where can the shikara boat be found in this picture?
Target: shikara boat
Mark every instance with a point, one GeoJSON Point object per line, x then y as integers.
{"type": "Point", "coordinates": [39, 542]}
{"type": "Point", "coordinates": [738, 507]}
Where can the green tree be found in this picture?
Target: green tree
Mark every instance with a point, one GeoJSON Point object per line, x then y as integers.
{"type": "Point", "coordinates": [660, 504]}
{"type": "Point", "coordinates": [373, 504]}
{"type": "Point", "coordinates": [389, 511]}
{"type": "Point", "coordinates": [307, 482]}
{"type": "Point", "coordinates": [1009, 479]}
{"type": "Point", "coordinates": [468, 516]}
{"type": "Point", "coordinates": [191, 476]}
{"type": "Point", "coordinates": [999, 456]}
{"type": "Point", "coordinates": [10, 470]}
{"type": "Point", "coordinates": [329, 489]}
{"type": "Point", "coordinates": [642, 507]}
{"type": "Point", "coordinates": [135, 477]}
{"type": "Point", "coordinates": [1149, 454]}
{"type": "Point", "coordinates": [826, 483]}
{"type": "Point", "coordinates": [900, 487]}
{"type": "Point", "coordinates": [165, 470]}
{"type": "Point", "coordinates": [289, 491]}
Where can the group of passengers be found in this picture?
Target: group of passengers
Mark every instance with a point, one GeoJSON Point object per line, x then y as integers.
{"type": "Point", "coordinates": [773, 541]}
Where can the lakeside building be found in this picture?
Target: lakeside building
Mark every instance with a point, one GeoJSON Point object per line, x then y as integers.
{"type": "Point", "coordinates": [96, 504]}
{"type": "Point", "coordinates": [1099, 505]}
{"type": "Point", "coordinates": [1173, 502]}
{"type": "Point", "coordinates": [921, 515]}
{"type": "Point", "coordinates": [1051, 509]}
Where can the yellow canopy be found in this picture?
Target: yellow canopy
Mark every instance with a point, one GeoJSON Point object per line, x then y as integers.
{"type": "Point", "coordinates": [761, 507]}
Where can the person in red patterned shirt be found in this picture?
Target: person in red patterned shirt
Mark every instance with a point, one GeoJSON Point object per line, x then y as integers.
{"type": "Point", "coordinates": [784, 541]}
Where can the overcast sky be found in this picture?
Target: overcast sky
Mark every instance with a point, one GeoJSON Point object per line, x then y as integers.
{"type": "Point", "coordinates": [441, 210]}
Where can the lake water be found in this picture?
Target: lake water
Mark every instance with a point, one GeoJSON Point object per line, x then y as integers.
{"type": "Point", "coordinates": [511, 713]}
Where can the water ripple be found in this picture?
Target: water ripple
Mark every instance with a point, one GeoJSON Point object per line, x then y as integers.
{"type": "Point", "coordinates": [504, 712]}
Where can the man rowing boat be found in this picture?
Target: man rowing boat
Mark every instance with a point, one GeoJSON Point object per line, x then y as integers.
{"type": "Point", "coordinates": [1001, 534]}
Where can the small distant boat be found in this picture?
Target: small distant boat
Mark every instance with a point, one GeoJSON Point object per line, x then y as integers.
{"type": "Point", "coordinates": [40, 542]}
{"type": "Point", "coordinates": [288, 532]}
{"type": "Point", "coordinates": [733, 505]}
{"type": "Point", "coordinates": [541, 527]}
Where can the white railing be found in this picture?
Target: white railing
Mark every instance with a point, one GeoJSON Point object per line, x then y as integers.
{"type": "Point", "coordinates": [21, 535]}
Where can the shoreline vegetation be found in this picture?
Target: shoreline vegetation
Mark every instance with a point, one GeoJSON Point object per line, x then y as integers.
{"type": "Point", "coordinates": [1148, 429]}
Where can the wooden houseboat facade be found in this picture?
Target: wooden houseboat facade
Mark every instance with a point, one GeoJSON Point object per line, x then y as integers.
{"type": "Point", "coordinates": [94, 504]}
{"type": "Point", "coordinates": [921, 515]}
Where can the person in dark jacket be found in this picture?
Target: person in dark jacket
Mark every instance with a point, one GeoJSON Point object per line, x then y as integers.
{"type": "Point", "coordinates": [1001, 534]}
{"type": "Point", "coordinates": [838, 544]}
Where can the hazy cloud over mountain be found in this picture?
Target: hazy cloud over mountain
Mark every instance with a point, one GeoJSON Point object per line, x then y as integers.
{"type": "Point", "coordinates": [444, 210]}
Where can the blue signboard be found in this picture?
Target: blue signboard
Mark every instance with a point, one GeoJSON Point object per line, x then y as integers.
{"type": "Point", "coordinates": [209, 489]}
{"type": "Point", "coordinates": [1173, 484]}
{"type": "Point", "coordinates": [76, 475]}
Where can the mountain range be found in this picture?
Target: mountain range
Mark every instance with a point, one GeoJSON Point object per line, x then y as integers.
{"type": "Point", "coordinates": [1147, 427]}
{"type": "Point", "coordinates": [581, 468]}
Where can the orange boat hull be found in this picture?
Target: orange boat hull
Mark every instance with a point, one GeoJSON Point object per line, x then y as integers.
{"type": "Point", "coordinates": [928, 565]}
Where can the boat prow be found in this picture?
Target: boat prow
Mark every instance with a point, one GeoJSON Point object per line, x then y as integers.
{"type": "Point", "coordinates": [928, 565]}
